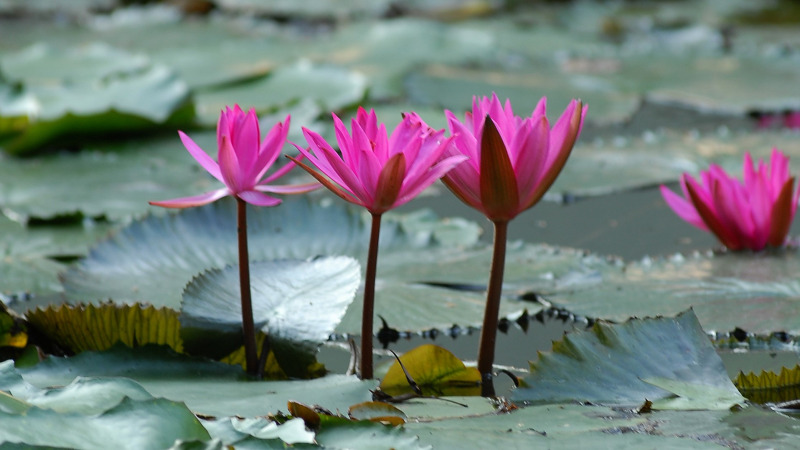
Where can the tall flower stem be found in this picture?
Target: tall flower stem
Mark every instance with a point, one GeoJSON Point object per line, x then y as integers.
{"type": "Point", "coordinates": [248, 328]}
{"type": "Point", "coordinates": [369, 298]}
{"type": "Point", "coordinates": [490, 315]}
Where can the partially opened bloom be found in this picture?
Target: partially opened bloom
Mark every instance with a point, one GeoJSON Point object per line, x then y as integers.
{"type": "Point", "coordinates": [749, 214]}
{"type": "Point", "coordinates": [243, 160]}
{"type": "Point", "coordinates": [512, 162]}
{"type": "Point", "coordinates": [378, 172]}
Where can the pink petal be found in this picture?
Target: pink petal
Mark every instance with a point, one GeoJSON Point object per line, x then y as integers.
{"type": "Point", "coordinates": [201, 156]}
{"type": "Point", "coordinates": [288, 188]}
{"type": "Point", "coordinates": [683, 208]}
{"type": "Point", "coordinates": [271, 147]}
{"type": "Point", "coordinates": [531, 153]}
{"type": "Point", "coordinates": [413, 189]}
{"type": "Point", "coordinates": [258, 198]}
{"type": "Point", "coordinates": [229, 166]}
{"type": "Point", "coordinates": [246, 141]}
{"type": "Point", "coordinates": [196, 200]}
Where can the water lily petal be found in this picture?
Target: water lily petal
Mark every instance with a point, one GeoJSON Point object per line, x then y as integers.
{"type": "Point", "coordinates": [258, 198]}
{"type": "Point", "coordinates": [499, 194]}
{"type": "Point", "coordinates": [201, 156]}
{"type": "Point", "coordinates": [196, 200]}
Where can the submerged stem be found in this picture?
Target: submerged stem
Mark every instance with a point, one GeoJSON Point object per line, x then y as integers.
{"type": "Point", "coordinates": [486, 346]}
{"type": "Point", "coordinates": [369, 298]}
{"type": "Point", "coordinates": [248, 328]}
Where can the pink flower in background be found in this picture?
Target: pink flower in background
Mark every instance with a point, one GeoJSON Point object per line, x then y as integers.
{"type": "Point", "coordinates": [242, 162]}
{"type": "Point", "coordinates": [742, 215]}
{"type": "Point", "coordinates": [513, 161]}
{"type": "Point", "coordinates": [792, 120]}
{"type": "Point", "coordinates": [376, 171]}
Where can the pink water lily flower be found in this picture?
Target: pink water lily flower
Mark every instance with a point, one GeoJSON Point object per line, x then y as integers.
{"type": "Point", "coordinates": [242, 162]}
{"type": "Point", "coordinates": [742, 215]}
{"type": "Point", "coordinates": [376, 171]}
{"type": "Point", "coordinates": [513, 161]}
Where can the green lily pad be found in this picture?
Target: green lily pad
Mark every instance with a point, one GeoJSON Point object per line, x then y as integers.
{"type": "Point", "coordinates": [131, 175]}
{"type": "Point", "coordinates": [642, 359]}
{"type": "Point", "coordinates": [89, 92]}
{"type": "Point", "coordinates": [296, 303]}
{"type": "Point", "coordinates": [416, 289]}
{"type": "Point", "coordinates": [385, 52]}
{"type": "Point", "coordinates": [26, 266]}
{"type": "Point", "coordinates": [206, 387]}
{"type": "Point", "coordinates": [332, 87]}
{"type": "Point", "coordinates": [93, 413]}
{"type": "Point", "coordinates": [757, 292]}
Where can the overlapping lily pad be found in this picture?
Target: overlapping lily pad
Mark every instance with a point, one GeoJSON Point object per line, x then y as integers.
{"type": "Point", "coordinates": [429, 271]}
{"type": "Point", "coordinates": [758, 292]}
{"type": "Point", "coordinates": [130, 175]}
{"type": "Point", "coordinates": [332, 87]}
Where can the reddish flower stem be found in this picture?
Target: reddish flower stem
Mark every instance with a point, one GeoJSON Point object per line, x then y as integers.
{"type": "Point", "coordinates": [369, 298]}
{"type": "Point", "coordinates": [248, 328]}
{"type": "Point", "coordinates": [486, 346]}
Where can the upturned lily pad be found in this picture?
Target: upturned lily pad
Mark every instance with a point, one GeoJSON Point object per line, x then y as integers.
{"type": "Point", "coordinates": [665, 360]}
{"type": "Point", "coordinates": [757, 292]}
{"type": "Point", "coordinates": [69, 96]}
{"type": "Point", "coordinates": [297, 304]}
{"type": "Point", "coordinates": [770, 387]}
{"type": "Point", "coordinates": [80, 328]}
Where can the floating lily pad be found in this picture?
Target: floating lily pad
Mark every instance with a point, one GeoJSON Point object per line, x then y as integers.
{"type": "Point", "coordinates": [757, 292]}
{"type": "Point", "coordinates": [93, 413]}
{"type": "Point", "coordinates": [27, 267]}
{"type": "Point", "coordinates": [332, 87]}
{"type": "Point", "coordinates": [386, 51]}
{"type": "Point", "coordinates": [424, 281]}
{"type": "Point", "coordinates": [667, 361]}
{"type": "Point", "coordinates": [130, 175]}
{"type": "Point", "coordinates": [207, 387]}
{"type": "Point", "coordinates": [88, 92]}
